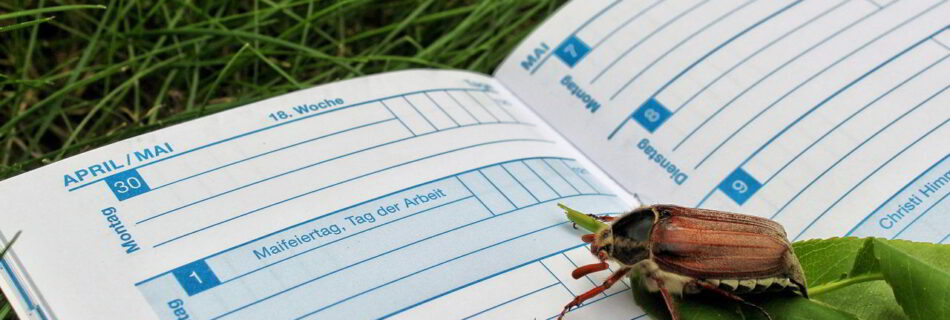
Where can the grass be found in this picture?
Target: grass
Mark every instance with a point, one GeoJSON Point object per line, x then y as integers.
{"type": "Point", "coordinates": [74, 76]}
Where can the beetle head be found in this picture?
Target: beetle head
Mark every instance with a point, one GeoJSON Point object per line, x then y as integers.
{"type": "Point", "coordinates": [601, 243]}
{"type": "Point", "coordinates": [629, 236]}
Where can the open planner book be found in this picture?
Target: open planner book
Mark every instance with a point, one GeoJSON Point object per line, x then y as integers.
{"type": "Point", "coordinates": [432, 194]}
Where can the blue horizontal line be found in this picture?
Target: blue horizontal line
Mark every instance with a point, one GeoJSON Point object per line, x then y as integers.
{"type": "Point", "coordinates": [344, 238]}
{"type": "Point", "coordinates": [922, 214]}
{"type": "Point", "coordinates": [773, 72]}
{"type": "Point", "coordinates": [597, 300]}
{"type": "Point", "coordinates": [678, 44]}
{"type": "Point", "coordinates": [345, 181]}
{"type": "Point", "coordinates": [492, 276]}
{"type": "Point", "coordinates": [275, 126]}
{"type": "Point", "coordinates": [853, 150]}
{"type": "Point", "coordinates": [341, 210]}
{"type": "Point", "coordinates": [302, 168]}
{"type": "Point", "coordinates": [897, 193]}
{"type": "Point", "coordinates": [512, 300]}
{"type": "Point", "coordinates": [720, 46]}
{"type": "Point", "coordinates": [852, 116]}
{"type": "Point", "coordinates": [403, 247]}
{"type": "Point", "coordinates": [846, 87]}
{"type": "Point", "coordinates": [822, 103]}
{"type": "Point", "coordinates": [644, 39]}
{"type": "Point", "coordinates": [589, 20]}
{"type": "Point", "coordinates": [555, 276]}
{"type": "Point", "coordinates": [270, 152]}
{"type": "Point", "coordinates": [624, 24]}
{"type": "Point", "coordinates": [743, 61]}
{"type": "Point", "coordinates": [869, 175]}
{"type": "Point", "coordinates": [432, 267]}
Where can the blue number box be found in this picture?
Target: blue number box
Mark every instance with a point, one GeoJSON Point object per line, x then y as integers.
{"type": "Point", "coordinates": [127, 184]}
{"type": "Point", "coordinates": [572, 50]}
{"type": "Point", "coordinates": [651, 115]}
{"type": "Point", "coordinates": [196, 277]}
{"type": "Point", "coordinates": [739, 186]}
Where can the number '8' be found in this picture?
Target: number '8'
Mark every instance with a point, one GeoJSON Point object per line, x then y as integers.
{"type": "Point", "coordinates": [123, 186]}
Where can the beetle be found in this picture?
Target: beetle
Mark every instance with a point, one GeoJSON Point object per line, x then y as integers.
{"type": "Point", "coordinates": [678, 250]}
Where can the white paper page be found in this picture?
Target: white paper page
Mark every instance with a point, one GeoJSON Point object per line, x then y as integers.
{"type": "Point", "coordinates": [409, 194]}
{"type": "Point", "coordinates": [827, 116]}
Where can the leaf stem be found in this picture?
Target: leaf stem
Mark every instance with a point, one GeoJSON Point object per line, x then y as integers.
{"type": "Point", "coordinates": [835, 285]}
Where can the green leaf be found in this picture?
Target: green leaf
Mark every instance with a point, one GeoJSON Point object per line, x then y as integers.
{"type": "Point", "coordinates": [709, 306]}
{"type": "Point", "coordinates": [828, 263]}
{"type": "Point", "coordinates": [918, 273]}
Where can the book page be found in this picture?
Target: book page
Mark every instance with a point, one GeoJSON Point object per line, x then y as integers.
{"type": "Point", "coordinates": [409, 194]}
{"type": "Point", "coordinates": [829, 117]}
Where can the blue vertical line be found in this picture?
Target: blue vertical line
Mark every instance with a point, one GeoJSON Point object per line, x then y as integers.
{"type": "Point", "coordinates": [940, 43]}
{"type": "Point", "coordinates": [336, 184]}
{"type": "Point", "coordinates": [774, 71]}
{"type": "Point", "coordinates": [463, 107]}
{"type": "Point", "coordinates": [644, 39]}
{"type": "Point", "coordinates": [852, 116]}
{"type": "Point", "coordinates": [579, 176]}
{"type": "Point", "coordinates": [474, 195]}
{"type": "Point", "coordinates": [321, 246]}
{"type": "Point", "coordinates": [269, 152]}
{"type": "Point", "coordinates": [265, 128]}
{"type": "Point", "coordinates": [555, 277]}
{"type": "Point", "coordinates": [477, 281]}
{"type": "Point", "coordinates": [440, 108]}
{"type": "Point", "coordinates": [479, 103]}
{"type": "Point", "coordinates": [562, 176]}
{"type": "Point", "coordinates": [519, 183]}
{"type": "Point", "coordinates": [855, 149]}
{"type": "Point", "coordinates": [750, 56]}
{"type": "Point", "coordinates": [430, 268]}
{"type": "Point", "coordinates": [589, 20]}
{"type": "Point", "coordinates": [897, 193]}
{"type": "Point", "coordinates": [540, 178]}
{"type": "Point", "coordinates": [869, 176]}
{"type": "Point", "coordinates": [511, 300]}
{"type": "Point", "coordinates": [682, 42]}
{"type": "Point", "coordinates": [590, 302]}
{"type": "Point", "coordinates": [16, 283]}
{"type": "Point", "coordinates": [397, 117]}
{"type": "Point", "coordinates": [944, 238]}
{"type": "Point", "coordinates": [499, 106]}
{"type": "Point", "coordinates": [293, 171]}
{"type": "Point", "coordinates": [420, 113]}
{"type": "Point", "coordinates": [499, 190]}
{"type": "Point", "coordinates": [608, 266]}
{"type": "Point", "coordinates": [833, 95]}
{"type": "Point", "coordinates": [922, 214]}
{"type": "Point", "coordinates": [625, 23]}
{"type": "Point", "coordinates": [351, 206]}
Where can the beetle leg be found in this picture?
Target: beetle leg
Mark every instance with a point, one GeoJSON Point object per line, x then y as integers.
{"type": "Point", "coordinates": [588, 238]}
{"type": "Point", "coordinates": [667, 298]}
{"type": "Point", "coordinates": [732, 296]}
{"type": "Point", "coordinates": [616, 276]}
{"type": "Point", "coordinates": [591, 268]}
{"type": "Point", "coordinates": [602, 217]}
